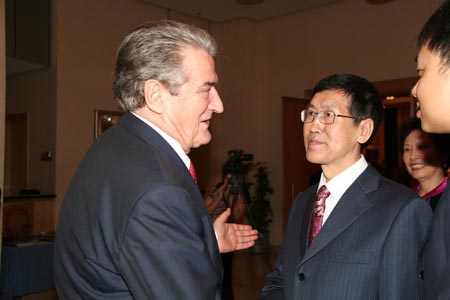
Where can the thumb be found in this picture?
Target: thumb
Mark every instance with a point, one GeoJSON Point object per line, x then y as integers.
{"type": "Point", "coordinates": [224, 216]}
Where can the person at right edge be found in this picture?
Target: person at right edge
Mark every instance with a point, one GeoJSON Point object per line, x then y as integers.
{"type": "Point", "coordinates": [433, 93]}
{"type": "Point", "coordinates": [362, 236]}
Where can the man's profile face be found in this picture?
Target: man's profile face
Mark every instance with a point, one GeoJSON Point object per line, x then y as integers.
{"type": "Point", "coordinates": [433, 92]}
{"type": "Point", "coordinates": [188, 113]}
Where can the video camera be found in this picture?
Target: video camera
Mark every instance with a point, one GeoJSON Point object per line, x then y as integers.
{"type": "Point", "coordinates": [238, 165]}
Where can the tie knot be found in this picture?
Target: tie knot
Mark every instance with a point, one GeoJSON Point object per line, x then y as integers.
{"type": "Point", "coordinates": [323, 192]}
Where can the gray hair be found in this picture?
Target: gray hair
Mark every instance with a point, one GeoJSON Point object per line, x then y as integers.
{"type": "Point", "coordinates": [155, 51]}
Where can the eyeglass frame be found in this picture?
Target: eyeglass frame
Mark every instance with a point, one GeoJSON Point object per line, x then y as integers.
{"type": "Point", "coordinates": [321, 116]}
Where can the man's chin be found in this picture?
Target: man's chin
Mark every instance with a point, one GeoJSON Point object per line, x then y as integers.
{"type": "Point", "coordinates": [431, 127]}
{"type": "Point", "coordinates": [314, 159]}
{"type": "Point", "coordinates": [205, 139]}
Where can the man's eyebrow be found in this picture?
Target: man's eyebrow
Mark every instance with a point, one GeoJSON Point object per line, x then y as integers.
{"type": "Point", "coordinates": [208, 84]}
{"type": "Point", "coordinates": [326, 106]}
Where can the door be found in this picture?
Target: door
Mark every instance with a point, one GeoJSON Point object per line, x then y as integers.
{"type": "Point", "coordinates": [297, 171]}
{"type": "Point", "coordinates": [16, 153]}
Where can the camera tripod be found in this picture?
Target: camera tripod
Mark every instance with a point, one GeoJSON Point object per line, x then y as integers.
{"type": "Point", "coordinates": [238, 186]}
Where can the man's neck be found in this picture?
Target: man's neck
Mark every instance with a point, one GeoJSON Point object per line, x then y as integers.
{"type": "Point", "coordinates": [331, 171]}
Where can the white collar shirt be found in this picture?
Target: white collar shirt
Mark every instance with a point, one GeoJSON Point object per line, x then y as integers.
{"type": "Point", "coordinates": [339, 184]}
{"type": "Point", "coordinates": [170, 140]}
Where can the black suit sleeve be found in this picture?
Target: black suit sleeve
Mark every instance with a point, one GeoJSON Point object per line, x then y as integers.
{"type": "Point", "coordinates": [163, 251]}
{"type": "Point", "coordinates": [273, 288]}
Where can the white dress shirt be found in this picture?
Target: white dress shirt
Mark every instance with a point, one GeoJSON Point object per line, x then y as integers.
{"type": "Point", "coordinates": [339, 184]}
{"type": "Point", "coordinates": [172, 142]}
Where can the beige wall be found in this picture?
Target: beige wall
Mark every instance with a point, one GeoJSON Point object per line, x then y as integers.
{"type": "Point", "coordinates": [259, 63]}
{"type": "Point", "coordinates": [236, 65]}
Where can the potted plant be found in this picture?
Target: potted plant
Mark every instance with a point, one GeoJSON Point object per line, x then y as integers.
{"type": "Point", "coordinates": [260, 207]}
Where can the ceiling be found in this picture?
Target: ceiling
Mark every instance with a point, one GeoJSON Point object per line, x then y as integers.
{"type": "Point", "coordinates": [227, 10]}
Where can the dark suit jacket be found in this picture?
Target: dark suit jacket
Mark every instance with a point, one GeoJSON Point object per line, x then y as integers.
{"type": "Point", "coordinates": [437, 252]}
{"type": "Point", "coordinates": [368, 248]}
{"type": "Point", "coordinates": [133, 224]}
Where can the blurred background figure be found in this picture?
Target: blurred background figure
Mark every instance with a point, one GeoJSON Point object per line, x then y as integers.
{"type": "Point", "coordinates": [217, 200]}
{"type": "Point", "coordinates": [426, 159]}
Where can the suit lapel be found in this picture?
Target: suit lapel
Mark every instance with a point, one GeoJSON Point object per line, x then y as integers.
{"type": "Point", "coordinates": [350, 207]}
{"type": "Point", "coordinates": [138, 128]}
{"type": "Point", "coordinates": [151, 137]}
{"type": "Point", "coordinates": [306, 220]}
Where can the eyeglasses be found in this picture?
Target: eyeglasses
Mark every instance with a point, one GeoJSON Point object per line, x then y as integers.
{"type": "Point", "coordinates": [325, 116]}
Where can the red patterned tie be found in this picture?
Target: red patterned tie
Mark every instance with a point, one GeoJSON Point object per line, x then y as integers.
{"type": "Point", "coordinates": [317, 214]}
{"type": "Point", "coordinates": [193, 173]}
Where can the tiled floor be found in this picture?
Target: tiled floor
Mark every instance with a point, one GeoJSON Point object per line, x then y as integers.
{"type": "Point", "coordinates": [249, 273]}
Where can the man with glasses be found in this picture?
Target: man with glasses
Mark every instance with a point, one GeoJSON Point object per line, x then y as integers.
{"type": "Point", "coordinates": [355, 235]}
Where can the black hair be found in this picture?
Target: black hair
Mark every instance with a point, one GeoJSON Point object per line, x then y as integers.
{"type": "Point", "coordinates": [365, 102]}
{"type": "Point", "coordinates": [435, 34]}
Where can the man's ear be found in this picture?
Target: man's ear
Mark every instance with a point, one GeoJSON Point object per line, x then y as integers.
{"type": "Point", "coordinates": [366, 129]}
{"type": "Point", "coordinates": [153, 90]}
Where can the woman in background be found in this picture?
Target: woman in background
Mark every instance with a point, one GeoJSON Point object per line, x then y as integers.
{"type": "Point", "coordinates": [426, 158]}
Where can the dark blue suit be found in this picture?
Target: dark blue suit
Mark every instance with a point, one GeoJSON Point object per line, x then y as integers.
{"type": "Point", "coordinates": [437, 252]}
{"type": "Point", "coordinates": [133, 224]}
{"type": "Point", "coordinates": [368, 248]}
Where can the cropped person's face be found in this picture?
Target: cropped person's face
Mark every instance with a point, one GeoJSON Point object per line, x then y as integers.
{"type": "Point", "coordinates": [433, 92]}
{"type": "Point", "coordinates": [334, 146]}
{"type": "Point", "coordinates": [421, 157]}
{"type": "Point", "coordinates": [188, 113]}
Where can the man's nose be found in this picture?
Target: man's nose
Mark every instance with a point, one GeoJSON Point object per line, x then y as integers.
{"type": "Point", "coordinates": [215, 102]}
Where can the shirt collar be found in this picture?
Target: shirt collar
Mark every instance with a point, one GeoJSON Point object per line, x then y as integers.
{"type": "Point", "coordinates": [340, 183]}
{"type": "Point", "coordinates": [170, 140]}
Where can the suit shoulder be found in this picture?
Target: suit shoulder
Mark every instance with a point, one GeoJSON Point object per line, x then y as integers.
{"type": "Point", "coordinates": [394, 194]}
{"type": "Point", "coordinates": [304, 196]}
{"type": "Point", "coordinates": [395, 187]}
{"type": "Point", "coordinates": [311, 190]}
